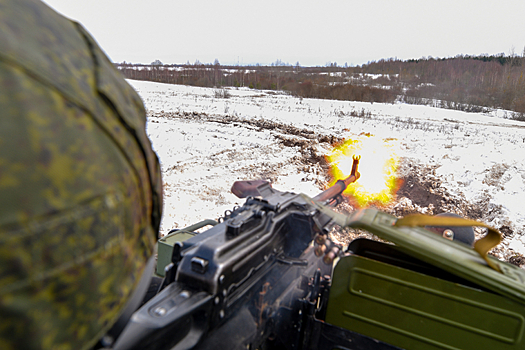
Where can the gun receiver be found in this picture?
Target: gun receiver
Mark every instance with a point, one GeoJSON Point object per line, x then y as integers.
{"type": "Point", "coordinates": [253, 271]}
{"type": "Point", "coordinates": [238, 282]}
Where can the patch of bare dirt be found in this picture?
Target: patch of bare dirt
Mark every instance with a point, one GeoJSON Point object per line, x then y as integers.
{"type": "Point", "coordinates": [423, 192]}
{"type": "Point", "coordinates": [517, 260]}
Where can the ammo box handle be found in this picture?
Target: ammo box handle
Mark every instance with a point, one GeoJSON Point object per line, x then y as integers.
{"type": "Point", "coordinates": [482, 246]}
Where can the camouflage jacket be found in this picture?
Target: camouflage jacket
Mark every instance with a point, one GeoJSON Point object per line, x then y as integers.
{"type": "Point", "coordinates": [80, 189]}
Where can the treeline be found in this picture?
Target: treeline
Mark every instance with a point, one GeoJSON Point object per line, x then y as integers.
{"type": "Point", "coordinates": [469, 83]}
{"type": "Point", "coordinates": [462, 82]}
{"type": "Point", "coordinates": [347, 92]}
{"type": "Point", "coordinates": [309, 82]}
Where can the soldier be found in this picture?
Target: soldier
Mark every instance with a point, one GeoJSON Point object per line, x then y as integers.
{"type": "Point", "coordinates": [80, 188]}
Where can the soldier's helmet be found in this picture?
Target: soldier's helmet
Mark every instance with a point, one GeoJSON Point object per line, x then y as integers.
{"type": "Point", "coordinates": [80, 189]}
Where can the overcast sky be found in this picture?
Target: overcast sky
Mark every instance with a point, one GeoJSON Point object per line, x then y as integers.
{"type": "Point", "coordinates": [309, 32]}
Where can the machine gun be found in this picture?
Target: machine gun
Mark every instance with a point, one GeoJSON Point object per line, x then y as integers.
{"type": "Point", "coordinates": [267, 277]}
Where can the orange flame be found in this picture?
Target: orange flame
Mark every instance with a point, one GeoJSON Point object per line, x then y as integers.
{"type": "Point", "coordinates": [378, 183]}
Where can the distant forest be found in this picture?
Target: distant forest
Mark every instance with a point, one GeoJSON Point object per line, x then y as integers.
{"type": "Point", "coordinates": [468, 83]}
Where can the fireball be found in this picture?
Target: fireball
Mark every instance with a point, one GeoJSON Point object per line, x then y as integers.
{"type": "Point", "coordinates": [378, 167]}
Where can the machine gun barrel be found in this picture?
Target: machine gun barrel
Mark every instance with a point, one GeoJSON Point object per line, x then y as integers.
{"type": "Point", "coordinates": [243, 189]}
{"type": "Point", "coordinates": [330, 195]}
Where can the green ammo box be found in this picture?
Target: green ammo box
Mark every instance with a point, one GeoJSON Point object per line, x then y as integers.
{"type": "Point", "coordinates": [425, 292]}
{"type": "Point", "coordinates": [166, 243]}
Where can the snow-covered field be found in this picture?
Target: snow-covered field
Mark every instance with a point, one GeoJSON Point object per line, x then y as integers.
{"type": "Point", "coordinates": [471, 164]}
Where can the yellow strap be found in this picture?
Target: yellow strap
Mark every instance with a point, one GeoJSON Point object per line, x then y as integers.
{"type": "Point", "coordinates": [482, 246]}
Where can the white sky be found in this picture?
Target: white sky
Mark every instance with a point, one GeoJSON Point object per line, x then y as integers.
{"type": "Point", "coordinates": [308, 32]}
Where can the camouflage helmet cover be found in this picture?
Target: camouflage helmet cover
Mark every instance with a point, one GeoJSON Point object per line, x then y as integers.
{"type": "Point", "coordinates": [80, 189]}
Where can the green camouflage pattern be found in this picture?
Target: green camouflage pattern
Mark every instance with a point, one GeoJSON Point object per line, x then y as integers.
{"type": "Point", "coordinates": [80, 189]}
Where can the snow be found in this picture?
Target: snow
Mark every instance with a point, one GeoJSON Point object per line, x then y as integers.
{"type": "Point", "coordinates": [477, 157]}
